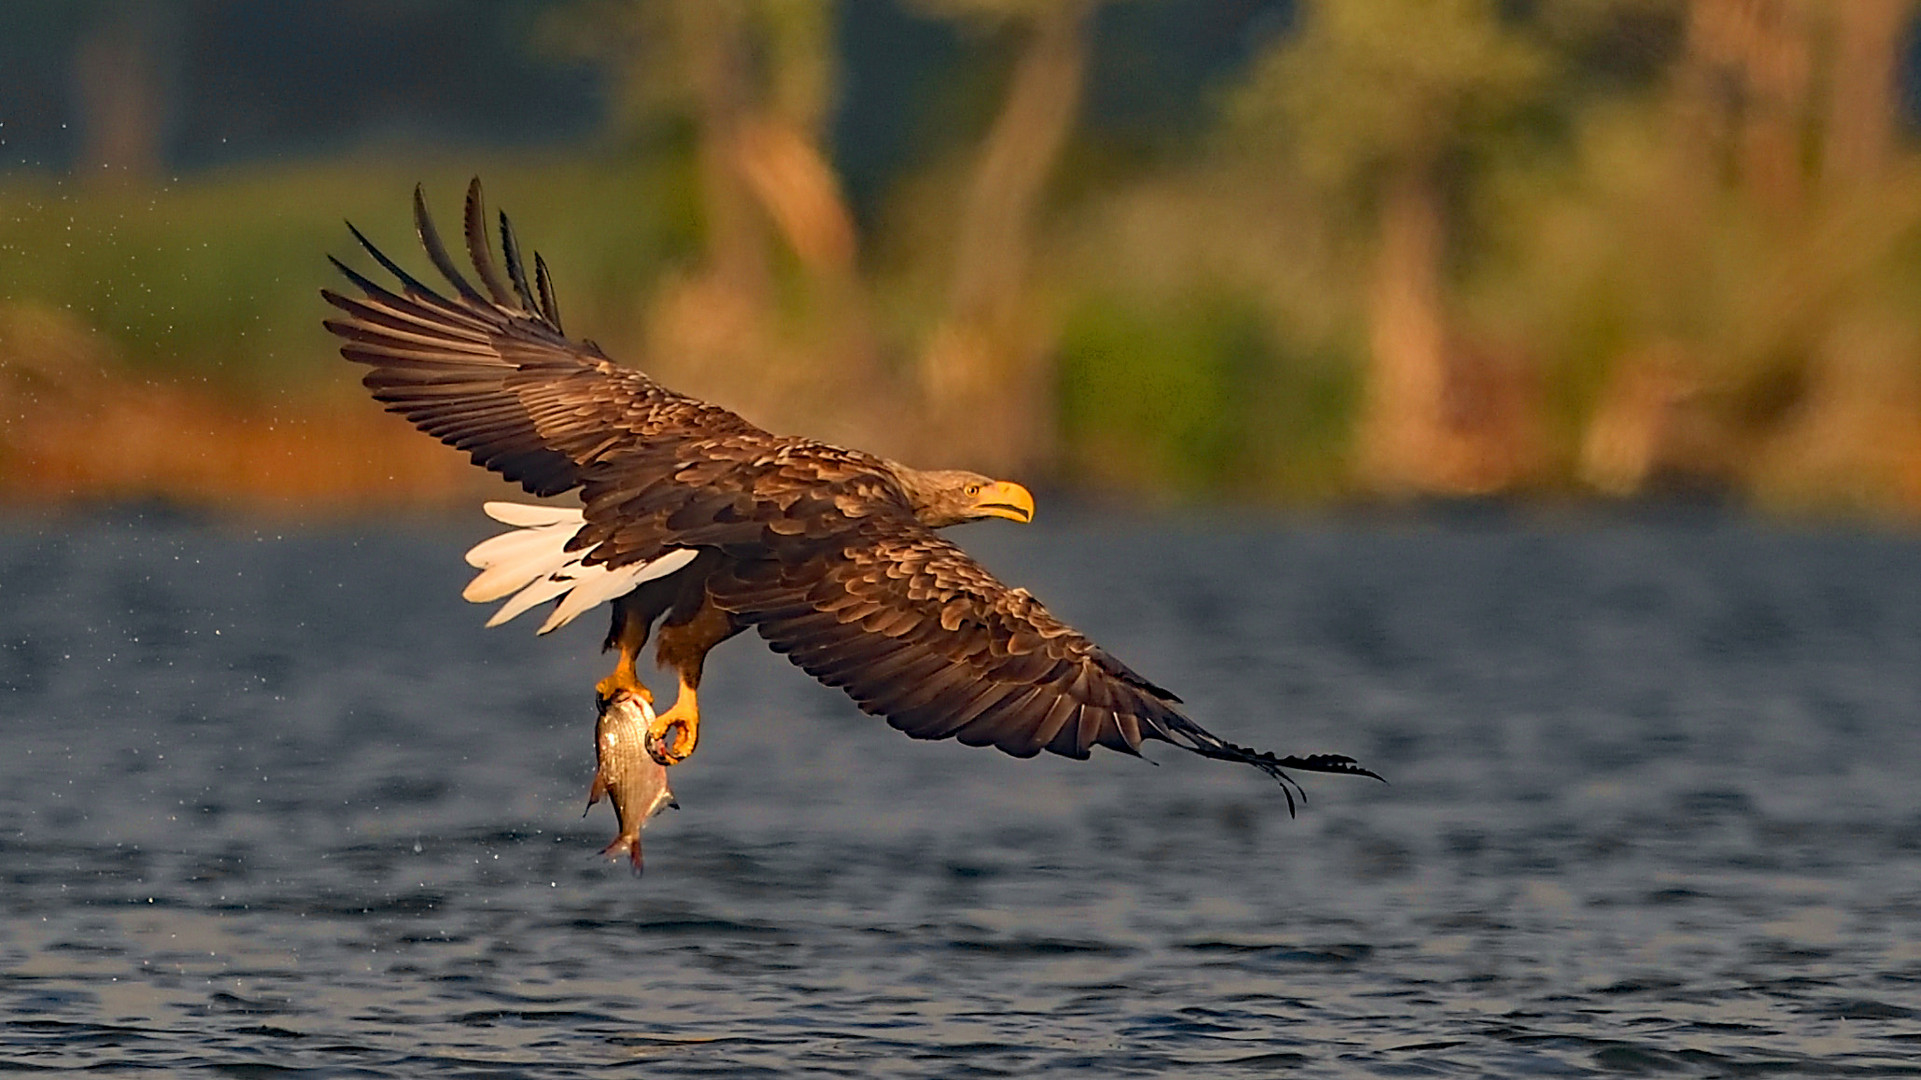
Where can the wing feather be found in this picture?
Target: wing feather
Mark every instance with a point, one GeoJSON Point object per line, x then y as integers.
{"type": "Point", "coordinates": [482, 255]}
{"type": "Point", "coordinates": [916, 631]}
{"type": "Point", "coordinates": [488, 370]}
{"type": "Point", "coordinates": [437, 251]}
{"type": "Point", "coordinates": [1043, 734]}
{"type": "Point", "coordinates": [549, 306]}
{"type": "Point", "coordinates": [1007, 725]}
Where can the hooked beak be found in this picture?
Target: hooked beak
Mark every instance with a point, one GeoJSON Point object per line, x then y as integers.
{"type": "Point", "coordinates": [1004, 498]}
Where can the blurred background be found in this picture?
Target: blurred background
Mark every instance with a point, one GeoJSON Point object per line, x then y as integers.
{"type": "Point", "coordinates": [1256, 251]}
{"type": "Point", "coordinates": [271, 798]}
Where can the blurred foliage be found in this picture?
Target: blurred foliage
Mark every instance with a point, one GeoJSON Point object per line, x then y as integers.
{"type": "Point", "coordinates": [1373, 247]}
{"type": "Point", "coordinates": [1195, 396]}
{"type": "Point", "coordinates": [1365, 86]}
{"type": "Point", "coordinates": [217, 278]}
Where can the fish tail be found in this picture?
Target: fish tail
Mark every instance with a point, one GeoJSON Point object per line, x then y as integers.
{"type": "Point", "coordinates": [625, 845]}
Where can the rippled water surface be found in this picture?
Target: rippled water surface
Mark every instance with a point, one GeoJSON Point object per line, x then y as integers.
{"type": "Point", "coordinates": [275, 801]}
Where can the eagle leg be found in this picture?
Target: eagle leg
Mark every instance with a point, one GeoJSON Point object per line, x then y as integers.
{"type": "Point", "coordinates": [684, 647]}
{"type": "Point", "coordinates": [629, 634]}
{"type": "Point", "coordinates": [672, 735]}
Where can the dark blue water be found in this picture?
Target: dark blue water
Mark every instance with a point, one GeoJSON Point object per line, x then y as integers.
{"type": "Point", "coordinates": [271, 800]}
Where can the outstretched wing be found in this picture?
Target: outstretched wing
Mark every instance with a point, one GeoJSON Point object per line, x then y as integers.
{"type": "Point", "coordinates": [492, 373]}
{"type": "Point", "coordinates": [918, 632]}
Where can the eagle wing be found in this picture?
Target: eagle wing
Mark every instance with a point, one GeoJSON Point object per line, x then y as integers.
{"type": "Point", "coordinates": [493, 373]}
{"type": "Point", "coordinates": [916, 631]}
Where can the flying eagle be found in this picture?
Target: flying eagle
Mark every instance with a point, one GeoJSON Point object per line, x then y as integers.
{"type": "Point", "coordinates": [696, 519]}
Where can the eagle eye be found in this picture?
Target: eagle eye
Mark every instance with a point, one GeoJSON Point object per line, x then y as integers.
{"type": "Point", "coordinates": [973, 489]}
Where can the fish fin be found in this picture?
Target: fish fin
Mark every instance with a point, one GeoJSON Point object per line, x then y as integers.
{"type": "Point", "coordinates": [630, 846]}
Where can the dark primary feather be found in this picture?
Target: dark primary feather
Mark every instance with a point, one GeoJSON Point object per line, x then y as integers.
{"type": "Point", "coordinates": [549, 306]}
{"type": "Point", "coordinates": [818, 546]}
{"type": "Point", "coordinates": [497, 378]}
{"type": "Point", "coordinates": [494, 375]}
{"type": "Point", "coordinates": [437, 252]}
{"type": "Point", "coordinates": [481, 255]}
{"type": "Point", "coordinates": [510, 249]}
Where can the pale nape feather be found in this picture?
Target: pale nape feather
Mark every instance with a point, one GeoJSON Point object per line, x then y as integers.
{"type": "Point", "coordinates": [531, 564]}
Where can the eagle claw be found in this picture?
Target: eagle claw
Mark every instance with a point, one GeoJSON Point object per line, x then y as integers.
{"type": "Point", "coordinates": [614, 689]}
{"type": "Point", "coordinates": [672, 743]}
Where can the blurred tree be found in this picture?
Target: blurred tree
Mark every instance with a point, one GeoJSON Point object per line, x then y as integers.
{"type": "Point", "coordinates": [120, 82]}
{"type": "Point", "coordinates": [986, 383]}
{"type": "Point", "coordinates": [752, 83]}
{"type": "Point", "coordinates": [1861, 117]}
{"type": "Point", "coordinates": [1757, 343]}
{"type": "Point", "coordinates": [1855, 438]}
{"type": "Point", "coordinates": [1390, 108]}
{"type": "Point", "coordinates": [1440, 246]}
{"type": "Point", "coordinates": [1745, 82]}
{"type": "Point", "coordinates": [793, 341]}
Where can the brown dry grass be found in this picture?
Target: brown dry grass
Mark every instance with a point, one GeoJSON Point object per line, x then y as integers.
{"type": "Point", "coordinates": [77, 426]}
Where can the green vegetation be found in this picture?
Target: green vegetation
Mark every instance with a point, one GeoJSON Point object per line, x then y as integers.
{"type": "Point", "coordinates": [1195, 396]}
{"type": "Point", "coordinates": [216, 278]}
{"type": "Point", "coordinates": [1403, 248]}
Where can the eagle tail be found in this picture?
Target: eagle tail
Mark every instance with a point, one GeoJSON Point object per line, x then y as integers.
{"type": "Point", "coordinates": [530, 564]}
{"type": "Point", "coordinates": [1188, 735]}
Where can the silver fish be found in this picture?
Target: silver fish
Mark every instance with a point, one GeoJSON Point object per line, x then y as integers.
{"type": "Point", "coordinates": [627, 774]}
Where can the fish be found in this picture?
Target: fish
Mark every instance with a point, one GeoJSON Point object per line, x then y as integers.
{"type": "Point", "coordinates": [627, 774]}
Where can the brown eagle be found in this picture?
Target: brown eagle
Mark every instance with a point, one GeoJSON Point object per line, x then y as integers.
{"type": "Point", "coordinates": [698, 520]}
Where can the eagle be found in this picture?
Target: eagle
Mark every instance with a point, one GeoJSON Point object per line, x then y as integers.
{"type": "Point", "coordinates": [692, 518]}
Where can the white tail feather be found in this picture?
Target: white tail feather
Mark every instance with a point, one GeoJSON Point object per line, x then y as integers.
{"type": "Point", "coordinates": [532, 565]}
{"type": "Point", "coordinates": [597, 586]}
{"type": "Point", "coordinates": [526, 515]}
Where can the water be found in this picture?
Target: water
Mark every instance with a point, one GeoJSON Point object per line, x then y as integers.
{"type": "Point", "coordinates": [274, 801]}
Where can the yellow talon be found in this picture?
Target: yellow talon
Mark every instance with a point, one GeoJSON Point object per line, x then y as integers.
{"type": "Point", "coordinates": [622, 683]}
{"type": "Point", "coordinates": [672, 735]}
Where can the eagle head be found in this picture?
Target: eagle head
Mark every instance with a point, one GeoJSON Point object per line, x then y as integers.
{"type": "Point", "coordinates": [943, 497]}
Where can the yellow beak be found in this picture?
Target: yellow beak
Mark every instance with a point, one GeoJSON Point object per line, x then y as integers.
{"type": "Point", "coordinates": [1004, 498]}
